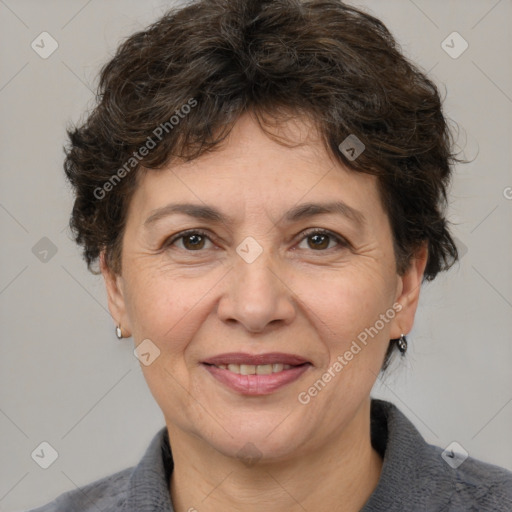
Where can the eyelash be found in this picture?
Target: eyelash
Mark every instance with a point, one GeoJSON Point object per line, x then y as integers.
{"type": "Point", "coordinates": [342, 243]}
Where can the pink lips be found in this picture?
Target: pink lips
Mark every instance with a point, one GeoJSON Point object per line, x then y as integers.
{"type": "Point", "coordinates": [256, 384]}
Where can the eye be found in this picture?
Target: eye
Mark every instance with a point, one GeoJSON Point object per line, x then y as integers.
{"type": "Point", "coordinates": [192, 240]}
{"type": "Point", "coordinates": [320, 239]}
{"type": "Point", "coordinates": [197, 240]}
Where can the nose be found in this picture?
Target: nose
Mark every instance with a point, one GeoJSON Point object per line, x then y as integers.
{"type": "Point", "coordinates": [257, 295]}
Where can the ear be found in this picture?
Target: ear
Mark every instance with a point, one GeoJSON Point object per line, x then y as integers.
{"type": "Point", "coordinates": [115, 293]}
{"type": "Point", "coordinates": [408, 293]}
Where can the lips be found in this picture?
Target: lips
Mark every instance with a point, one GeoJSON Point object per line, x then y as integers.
{"type": "Point", "coordinates": [256, 374]}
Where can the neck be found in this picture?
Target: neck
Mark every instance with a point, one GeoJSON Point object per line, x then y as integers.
{"type": "Point", "coordinates": [340, 475]}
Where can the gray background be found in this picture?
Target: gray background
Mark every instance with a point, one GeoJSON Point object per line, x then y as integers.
{"type": "Point", "coordinates": [65, 379]}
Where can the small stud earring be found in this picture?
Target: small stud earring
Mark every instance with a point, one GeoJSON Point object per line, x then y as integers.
{"type": "Point", "coordinates": [119, 332]}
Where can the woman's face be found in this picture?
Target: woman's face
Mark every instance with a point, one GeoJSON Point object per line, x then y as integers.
{"type": "Point", "coordinates": [253, 276]}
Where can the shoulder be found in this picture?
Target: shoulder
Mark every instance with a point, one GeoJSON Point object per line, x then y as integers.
{"type": "Point", "coordinates": [475, 485]}
{"type": "Point", "coordinates": [432, 478]}
{"type": "Point", "coordinates": [107, 494]}
{"type": "Point", "coordinates": [130, 489]}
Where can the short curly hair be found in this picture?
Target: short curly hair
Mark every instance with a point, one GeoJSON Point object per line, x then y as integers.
{"type": "Point", "coordinates": [176, 89]}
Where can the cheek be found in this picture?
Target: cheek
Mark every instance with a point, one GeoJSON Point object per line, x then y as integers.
{"type": "Point", "coordinates": [168, 308]}
{"type": "Point", "coordinates": [154, 305]}
{"type": "Point", "coordinates": [344, 305]}
{"type": "Point", "coordinates": [354, 347]}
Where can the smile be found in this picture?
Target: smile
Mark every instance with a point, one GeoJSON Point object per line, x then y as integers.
{"type": "Point", "coordinates": [251, 369]}
{"type": "Point", "coordinates": [256, 380]}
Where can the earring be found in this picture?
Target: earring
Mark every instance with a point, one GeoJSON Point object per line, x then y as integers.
{"type": "Point", "coordinates": [401, 343]}
{"type": "Point", "coordinates": [119, 332]}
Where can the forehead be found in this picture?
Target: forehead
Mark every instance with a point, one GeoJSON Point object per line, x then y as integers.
{"type": "Point", "coordinates": [251, 171]}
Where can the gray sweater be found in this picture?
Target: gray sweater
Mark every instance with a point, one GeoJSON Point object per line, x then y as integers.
{"type": "Point", "coordinates": [415, 477]}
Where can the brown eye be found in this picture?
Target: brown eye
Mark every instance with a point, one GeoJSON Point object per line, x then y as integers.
{"type": "Point", "coordinates": [320, 240]}
{"type": "Point", "coordinates": [192, 241]}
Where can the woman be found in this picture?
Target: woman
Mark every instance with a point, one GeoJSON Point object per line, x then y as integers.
{"type": "Point", "coordinates": [263, 184]}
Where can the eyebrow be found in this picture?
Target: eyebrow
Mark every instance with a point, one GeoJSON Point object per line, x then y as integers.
{"type": "Point", "coordinates": [300, 212]}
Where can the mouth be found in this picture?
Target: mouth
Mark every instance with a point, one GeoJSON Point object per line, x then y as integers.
{"type": "Point", "coordinates": [242, 358]}
{"type": "Point", "coordinates": [251, 369]}
{"type": "Point", "coordinates": [256, 374]}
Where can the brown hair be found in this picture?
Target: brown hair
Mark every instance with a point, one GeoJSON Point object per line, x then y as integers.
{"type": "Point", "coordinates": [178, 87]}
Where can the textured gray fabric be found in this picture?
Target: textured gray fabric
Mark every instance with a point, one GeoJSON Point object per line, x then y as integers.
{"type": "Point", "coordinates": [414, 477]}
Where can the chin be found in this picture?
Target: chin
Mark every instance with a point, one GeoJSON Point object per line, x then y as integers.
{"type": "Point", "coordinates": [256, 438]}
{"type": "Point", "coordinates": [250, 450]}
